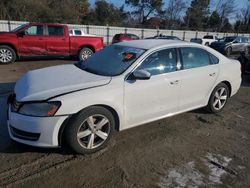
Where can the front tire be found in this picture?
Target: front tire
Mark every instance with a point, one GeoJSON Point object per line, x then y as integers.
{"type": "Point", "coordinates": [85, 53]}
{"type": "Point", "coordinates": [218, 98]}
{"type": "Point", "coordinates": [90, 130]}
{"type": "Point", "coordinates": [7, 55]}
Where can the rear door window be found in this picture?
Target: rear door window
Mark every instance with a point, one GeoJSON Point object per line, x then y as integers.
{"type": "Point", "coordinates": [56, 30]}
{"type": "Point", "coordinates": [194, 57]}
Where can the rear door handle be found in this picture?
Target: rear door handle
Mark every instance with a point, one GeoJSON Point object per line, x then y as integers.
{"type": "Point", "coordinates": [174, 82]}
{"type": "Point", "coordinates": [63, 39]}
{"type": "Point", "coordinates": [212, 74]}
{"type": "Point", "coordinates": [40, 39]}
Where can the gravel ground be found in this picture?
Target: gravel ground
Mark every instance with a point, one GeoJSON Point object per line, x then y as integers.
{"type": "Point", "coordinates": [193, 149]}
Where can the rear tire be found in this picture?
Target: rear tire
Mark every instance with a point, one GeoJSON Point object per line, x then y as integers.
{"type": "Point", "coordinates": [207, 44]}
{"type": "Point", "coordinates": [218, 98]}
{"type": "Point", "coordinates": [85, 53]}
{"type": "Point", "coordinates": [246, 51]}
{"type": "Point", "coordinates": [229, 51]}
{"type": "Point", "coordinates": [7, 55]}
{"type": "Point", "coordinates": [90, 130]}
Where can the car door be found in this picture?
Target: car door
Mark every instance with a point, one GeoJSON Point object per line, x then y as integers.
{"type": "Point", "coordinates": [237, 44]}
{"type": "Point", "coordinates": [198, 75]}
{"type": "Point", "coordinates": [57, 40]}
{"type": "Point", "coordinates": [32, 41]}
{"type": "Point", "coordinates": [146, 100]}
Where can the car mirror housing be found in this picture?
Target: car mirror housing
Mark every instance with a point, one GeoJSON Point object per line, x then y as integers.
{"type": "Point", "coordinates": [141, 75]}
{"type": "Point", "coordinates": [21, 34]}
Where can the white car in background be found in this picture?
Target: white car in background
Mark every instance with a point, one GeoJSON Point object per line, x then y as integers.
{"type": "Point", "coordinates": [208, 39]}
{"type": "Point", "coordinates": [79, 32]}
{"type": "Point", "coordinates": [122, 86]}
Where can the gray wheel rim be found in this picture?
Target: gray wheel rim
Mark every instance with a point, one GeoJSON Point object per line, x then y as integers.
{"type": "Point", "coordinates": [220, 98]}
{"type": "Point", "coordinates": [5, 55]}
{"type": "Point", "coordinates": [93, 131]}
{"type": "Point", "coordinates": [86, 54]}
{"type": "Point", "coordinates": [229, 51]}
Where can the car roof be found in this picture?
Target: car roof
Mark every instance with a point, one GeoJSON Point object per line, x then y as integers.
{"type": "Point", "coordinates": [150, 43]}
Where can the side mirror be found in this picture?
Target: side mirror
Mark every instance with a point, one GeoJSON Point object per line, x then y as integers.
{"type": "Point", "coordinates": [141, 75]}
{"type": "Point", "coordinates": [21, 34]}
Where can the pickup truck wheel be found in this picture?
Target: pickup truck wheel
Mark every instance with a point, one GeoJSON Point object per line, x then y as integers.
{"type": "Point", "coordinates": [85, 53]}
{"type": "Point", "coordinates": [7, 55]}
{"type": "Point", "coordinates": [90, 130]}
{"type": "Point", "coordinates": [207, 44]}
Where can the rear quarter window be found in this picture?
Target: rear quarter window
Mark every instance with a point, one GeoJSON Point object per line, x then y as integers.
{"type": "Point", "coordinates": [78, 32]}
{"type": "Point", "coordinates": [208, 37]}
{"type": "Point", "coordinates": [213, 59]}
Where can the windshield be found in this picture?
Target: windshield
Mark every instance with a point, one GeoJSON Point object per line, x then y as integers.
{"type": "Point", "coordinates": [19, 27]}
{"type": "Point", "coordinates": [111, 61]}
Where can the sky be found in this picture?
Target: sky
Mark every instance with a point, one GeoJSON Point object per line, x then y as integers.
{"type": "Point", "coordinates": [240, 4]}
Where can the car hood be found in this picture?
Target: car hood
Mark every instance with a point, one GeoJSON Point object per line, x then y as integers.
{"type": "Point", "coordinates": [7, 34]}
{"type": "Point", "coordinates": [46, 83]}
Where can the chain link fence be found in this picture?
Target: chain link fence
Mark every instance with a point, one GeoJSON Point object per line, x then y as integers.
{"type": "Point", "coordinates": [107, 32]}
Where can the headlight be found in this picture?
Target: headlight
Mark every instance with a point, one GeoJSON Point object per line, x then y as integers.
{"type": "Point", "coordinates": [39, 109]}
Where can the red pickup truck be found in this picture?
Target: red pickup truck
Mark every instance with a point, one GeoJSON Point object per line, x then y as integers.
{"type": "Point", "coordinates": [40, 39]}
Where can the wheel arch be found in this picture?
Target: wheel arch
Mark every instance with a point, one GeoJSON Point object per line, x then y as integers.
{"type": "Point", "coordinates": [225, 82]}
{"type": "Point", "coordinates": [87, 46]}
{"type": "Point", "coordinates": [66, 121]}
{"type": "Point", "coordinates": [11, 46]}
{"type": "Point", "coordinates": [228, 85]}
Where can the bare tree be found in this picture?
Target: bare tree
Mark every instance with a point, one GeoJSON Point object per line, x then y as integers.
{"type": "Point", "coordinates": [226, 9]}
{"type": "Point", "coordinates": [174, 11]}
{"type": "Point", "coordinates": [145, 8]}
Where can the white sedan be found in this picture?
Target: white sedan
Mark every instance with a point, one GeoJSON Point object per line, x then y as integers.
{"type": "Point", "coordinates": [122, 86]}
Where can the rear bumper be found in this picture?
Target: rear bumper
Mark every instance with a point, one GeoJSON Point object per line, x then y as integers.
{"type": "Point", "coordinates": [35, 131]}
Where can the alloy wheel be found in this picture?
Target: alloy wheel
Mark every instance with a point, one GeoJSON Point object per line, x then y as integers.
{"type": "Point", "coordinates": [93, 131]}
{"type": "Point", "coordinates": [86, 54]}
{"type": "Point", "coordinates": [5, 55]}
{"type": "Point", "coordinates": [220, 98]}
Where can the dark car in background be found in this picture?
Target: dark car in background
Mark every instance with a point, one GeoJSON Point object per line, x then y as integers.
{"type": "Point", "coordinates": [245, 63]}
{"type": "Point", "coordinates": [167, 37]}
{"type": "Point", "coordinates": [231, 44]}
{"type": "Point", "coordinates": [196, 40]}
{"type": "Point", "coordinates": [124, 37]}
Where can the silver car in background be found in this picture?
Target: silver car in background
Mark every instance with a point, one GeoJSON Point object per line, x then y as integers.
{"type": "Point", "coordinates": [232, 44]}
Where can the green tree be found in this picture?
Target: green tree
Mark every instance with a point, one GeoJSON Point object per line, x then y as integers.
{"type": "Point", "coordinates": [145, 8]}
{"type": "Point", "coordinates": [105, 13]}
{"type": "Point", "coordinates": [197, 14]}
{"type": "Point", "coordinates": [214, 21]}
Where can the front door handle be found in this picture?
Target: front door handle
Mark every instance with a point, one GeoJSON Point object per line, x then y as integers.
{"type": "Point", "coordinates": [174, 82]}
{"type": "Point", "coordinates": [212, 74]}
